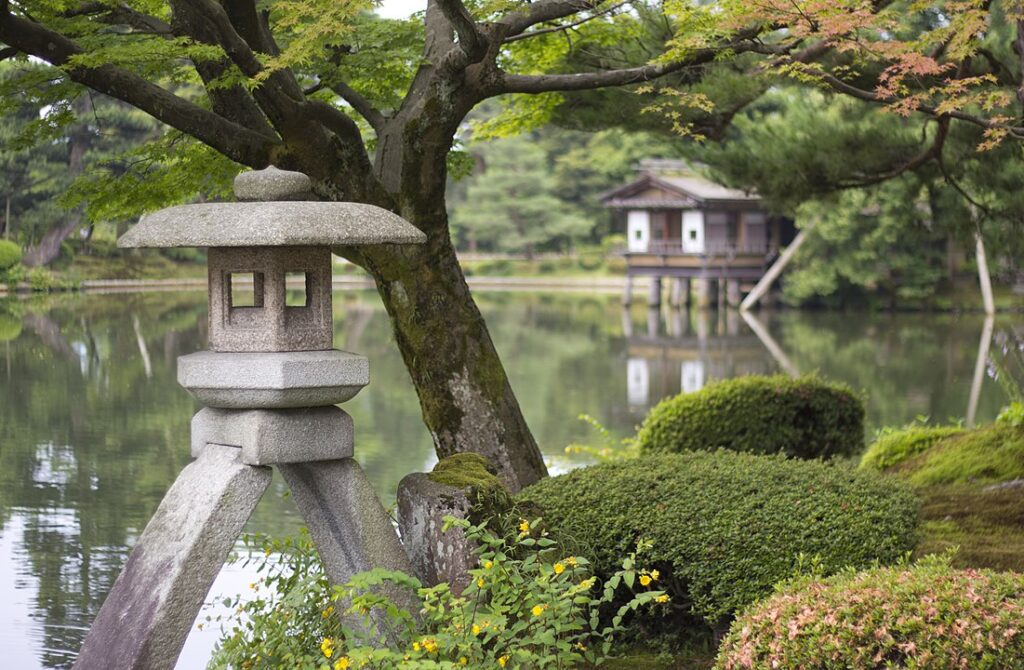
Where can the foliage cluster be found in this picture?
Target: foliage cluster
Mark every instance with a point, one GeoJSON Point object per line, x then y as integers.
{"type": "Point", "coordinates": [528, 606]}
{"type": "Point", "coordinates": [893, 446]}
{"type": "Point", "coordinates": [10, 255]}
{"type": "Point", "coordinates": [925, 616]}
{"type": "Point", "coordinates": [805, 417]}
{"type": "Point", "coordinates": [727, 526]}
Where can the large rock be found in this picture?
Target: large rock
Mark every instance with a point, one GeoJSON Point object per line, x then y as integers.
{"type": "Point", "coordinates": [457, 487]}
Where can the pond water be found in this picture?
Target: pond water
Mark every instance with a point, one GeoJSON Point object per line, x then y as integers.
{"type": "Point", "coordinates": [94, 428]}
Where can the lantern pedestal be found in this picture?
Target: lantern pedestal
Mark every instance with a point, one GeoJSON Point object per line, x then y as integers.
{"type": "Point", "coordinates": [270, 386]}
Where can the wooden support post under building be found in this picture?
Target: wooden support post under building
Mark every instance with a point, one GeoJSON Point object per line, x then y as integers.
{"type": "Point", "coordinates": [654, 295]}
{"type": "Point", "coordinates": [732, 295]}
{"type": "Point", "coordinates": [680, 292]}
{"type": "Point", "coordinates": [703, 289]}
{"type": "Point", "coordinates": [627, 292]}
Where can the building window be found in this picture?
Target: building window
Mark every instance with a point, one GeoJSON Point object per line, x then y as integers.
{"type": "Point", "coordinates": [693, 234]}
{"type": "Point", "coordinates": [639, 234]}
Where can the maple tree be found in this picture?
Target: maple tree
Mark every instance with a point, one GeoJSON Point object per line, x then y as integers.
{"type": "Point", "coordinates": [370, 109]}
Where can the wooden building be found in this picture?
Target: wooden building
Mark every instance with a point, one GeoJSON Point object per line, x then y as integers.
{"type": "Point", "coordinates": [682, 226]}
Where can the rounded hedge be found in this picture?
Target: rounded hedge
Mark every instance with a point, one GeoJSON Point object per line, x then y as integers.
{"type": "Point", "coordinates": [728, 526]}
{"type": "Point", "coordinates": [10, 255]}
{"type": "Point", "coordinates": [928, 616]}
{"type": "Point", "coordinates": [804, 417]}
{"type": "Point", "coordinates": [893, 447]}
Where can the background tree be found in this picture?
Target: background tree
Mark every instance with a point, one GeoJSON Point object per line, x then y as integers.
{"type": "Point", "coordinates": [281, 84]}
{"type": "Point", "coordinates": [512, 204]}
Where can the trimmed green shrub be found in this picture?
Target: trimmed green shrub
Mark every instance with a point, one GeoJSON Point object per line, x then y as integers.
{"type": "Point", "coordinates": [984, 455]}
{"type": "Point", "coordinates": [727, 526]}
{"type": "Point", "coordinates": [805, 417]}
{"type": "Point", "coordinates": [10, 255]}
{"type": "Point", "coordinates": [895, 446]}
{"type": "Point", "coordinates": [927, 616]}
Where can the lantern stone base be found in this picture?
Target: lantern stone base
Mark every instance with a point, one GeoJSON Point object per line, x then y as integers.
{"type": "Point", "coordinates": [273, 380]}
{"type": "Point", "coordinates": [274, 436]}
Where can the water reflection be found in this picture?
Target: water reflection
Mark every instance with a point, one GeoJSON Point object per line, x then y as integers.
{"type": "Point", "coordinates": [93, 427]}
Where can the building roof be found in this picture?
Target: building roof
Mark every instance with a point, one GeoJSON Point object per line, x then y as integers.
{"type": "Point", "coordinates": [681, 191]}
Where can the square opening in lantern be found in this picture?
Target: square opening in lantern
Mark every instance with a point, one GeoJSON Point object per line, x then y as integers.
{"type": "Point", "coordinates": [246, 289]}
{"type": "Point", "coordinates": [296, 286]}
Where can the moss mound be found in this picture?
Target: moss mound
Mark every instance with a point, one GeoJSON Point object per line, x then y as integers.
{"type": "Point", "coordinates": [895, 446]}
{"type": "Point", "coordinates": [928, 616]}
{"type": "Point", "coordinates": [985, 455]}
{"type": "Point", "coordinates": [804, 417]}
{"type": "Point", "coordinates": [728, 526]}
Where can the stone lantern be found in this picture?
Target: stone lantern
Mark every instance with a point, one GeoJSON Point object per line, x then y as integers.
{"type": "Point", "coordinates": [270, 383]}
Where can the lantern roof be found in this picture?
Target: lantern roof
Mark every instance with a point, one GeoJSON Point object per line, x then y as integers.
{"type": "Point", "coordinates": [277, 214]}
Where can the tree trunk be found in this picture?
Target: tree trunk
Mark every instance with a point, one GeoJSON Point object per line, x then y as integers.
{"type": "Point", "coordinates": [465, 395]}
{"type": "Point", "coordinates": [79, 144]}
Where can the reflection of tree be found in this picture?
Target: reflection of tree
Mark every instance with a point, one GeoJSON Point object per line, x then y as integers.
{"type": "Point", "coordinates": [907, 365]}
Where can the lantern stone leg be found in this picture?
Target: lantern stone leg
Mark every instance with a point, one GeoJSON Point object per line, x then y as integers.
{"type": "Point", "coordinates": [270, 385]}
{"type": "Point", "coordinates": [151, 608]}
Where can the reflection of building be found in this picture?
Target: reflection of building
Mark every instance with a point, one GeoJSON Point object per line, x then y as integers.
{"type": "Point", "coordinates": [696, 350]}
{"type": "Point", "coordinates": [680, 225]}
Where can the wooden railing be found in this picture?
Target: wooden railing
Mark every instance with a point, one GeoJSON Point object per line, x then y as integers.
{"type": "Point", "coordinates": [675, 248]}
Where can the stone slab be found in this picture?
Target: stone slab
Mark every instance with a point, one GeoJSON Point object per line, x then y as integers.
{"type": "Point", "coordinates": [273, 380]}
{"type": "Point", "coordinates": [352, 531]}
{"type": "Point", "coordinates": [270, 224]}
{"type": "Point", "coordinates": [436, 556]}
{"type": "Point", "coordinates": [154, 602]}
{"type": "Point", "coordinates": [269, 436]}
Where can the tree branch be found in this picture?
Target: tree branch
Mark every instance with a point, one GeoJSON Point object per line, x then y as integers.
{"type": "Point", "coordinates": [568, 26]}
{"type": "Point", "coordinates": [237, 142]}
{"type": "Point", "coordinates": [359, 103]}
{"type": "Point", "coordinates": [471, 39]}
{"type": "Point", "coordinates": [933, 152]}
{"type": "Point", "coordinates": [542, 12]}
{"type": "Point", "coordinates": [589, 80]}
{"type": "Point", "coordinates": [869, 96]}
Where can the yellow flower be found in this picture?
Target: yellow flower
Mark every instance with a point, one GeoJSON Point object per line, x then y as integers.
{"type": "Point", "coordinates": [503, 660]}
{"type": "Point", "coordinates": [476, 629]}
{"type": "Point", "coordinates": [328, 611]}
{"type": "Point", "coordinates": [488, 565]}
{"type": "Point", "coordinates": [524, 526]}
{"type": "Point", "coordinates": [663, 598]}
{"type": "Point", "coordinates": [559, 568]}
{"type": "Point", "coordinates": [537, 610]}
{"type": "Point", "coordinates": [480, 583]}
{"type": "Point", "coordinates": [571, 561]}
{"type": "Point", "coordinates": [430, 645]}
{"type": "Point", "coordinates": [655, 574]}
{"type": "Point", "coordinates": [645, 580]}
{"type": "Point", "coordinates": [327, 647]}
{"type": "Point", "coordinates": [588, 582]}
{"type": "Point", "coordinates": [415, 646]}
{"type": "Point", "coordinates": [341, 663]}
{"type": "Point", "coordinates": [463, 661]}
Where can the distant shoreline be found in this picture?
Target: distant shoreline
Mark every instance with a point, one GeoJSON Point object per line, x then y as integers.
{"type": "Point", "coordinates": [599, 284]}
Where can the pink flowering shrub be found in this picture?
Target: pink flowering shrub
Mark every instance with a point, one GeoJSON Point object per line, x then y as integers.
{"type": "Point", "coordinates": [928, 616]}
